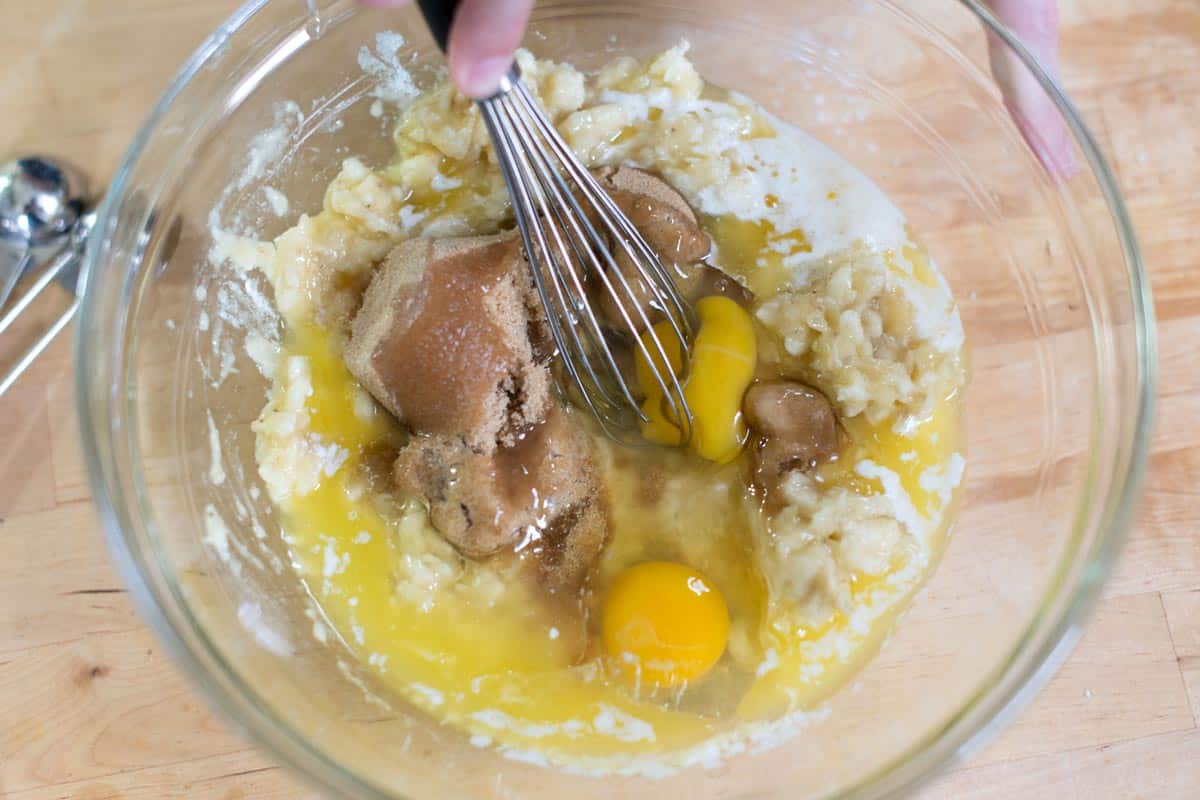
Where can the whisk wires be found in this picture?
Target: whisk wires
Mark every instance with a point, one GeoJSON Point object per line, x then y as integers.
{"type": "Point", "coordinates": [571, 230]}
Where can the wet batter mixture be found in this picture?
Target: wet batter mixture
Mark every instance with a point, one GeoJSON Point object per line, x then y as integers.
{"type": "Point", "coordinates": [475, 541]}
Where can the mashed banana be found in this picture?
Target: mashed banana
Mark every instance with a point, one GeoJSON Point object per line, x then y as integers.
{"type": "Point", "coordinates": [846, 302]}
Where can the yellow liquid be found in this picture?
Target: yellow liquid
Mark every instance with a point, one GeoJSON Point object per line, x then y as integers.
{"type": "Point", "coordinates": [511, 670]}
{"type": "Point", "coordinates": [807, 670]}
{"type": "Point", "coordinates": [754, 251]}
{"type": "Point", "coordinates": [497, 673]}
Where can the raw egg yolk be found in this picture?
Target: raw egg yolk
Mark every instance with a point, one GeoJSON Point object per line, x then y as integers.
{"type": "Point", "coordinates": [722, 367]}
{"type": "Point", "coordinates": [664, 623]}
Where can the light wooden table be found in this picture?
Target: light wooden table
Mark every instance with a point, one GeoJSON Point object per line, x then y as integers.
{"type": "Point", "coordinates": [91, 709]}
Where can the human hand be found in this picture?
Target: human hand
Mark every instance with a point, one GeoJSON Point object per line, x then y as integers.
{"type": "Point", "coordinates": [486, 34]}
{"type": "Point", "coordinates": [483, 38]}
{"type": "Point", "coordinates": [1035, 22]}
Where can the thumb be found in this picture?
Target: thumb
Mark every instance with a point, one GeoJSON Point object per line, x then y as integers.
{"type": "Point", "coordinates": [484, 37]}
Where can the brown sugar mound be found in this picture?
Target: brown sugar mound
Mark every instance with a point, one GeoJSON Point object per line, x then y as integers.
{"type": "Point", "coordinates": [658, 211]}
{"type": "Point", "coordinates": [670, 226]}
{"type": "Point", "coordinates": [443, 340]}
{"type": "Point", "coordinates": [540, 498]}
{"type": "Point", "coordinates": [792, 426]}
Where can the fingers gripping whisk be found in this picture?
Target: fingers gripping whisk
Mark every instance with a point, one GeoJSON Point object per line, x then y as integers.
{"type": "Point", "coordinates": [573, 232]}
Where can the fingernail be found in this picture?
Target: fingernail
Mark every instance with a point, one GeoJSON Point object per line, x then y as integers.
{"type": "Point", "coordinates": [482, 78]}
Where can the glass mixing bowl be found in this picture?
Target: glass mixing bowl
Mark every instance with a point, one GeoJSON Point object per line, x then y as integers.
{"type": "Point", "coordinates": [1053, 298]}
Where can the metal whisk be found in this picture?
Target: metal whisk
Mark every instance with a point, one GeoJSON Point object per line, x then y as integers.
{"type": "Point", "coordinates": [572, 231]}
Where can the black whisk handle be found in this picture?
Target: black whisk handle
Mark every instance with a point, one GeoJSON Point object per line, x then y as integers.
{"type": "Point", "coordinates": [439, 16]}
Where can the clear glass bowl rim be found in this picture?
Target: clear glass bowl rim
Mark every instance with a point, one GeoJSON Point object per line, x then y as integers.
{"type": "Point", "coordinates": [976, 724]}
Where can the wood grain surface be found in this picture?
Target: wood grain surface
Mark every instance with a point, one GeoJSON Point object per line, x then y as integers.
{"type": "Point", "coordinates": [91, 708]}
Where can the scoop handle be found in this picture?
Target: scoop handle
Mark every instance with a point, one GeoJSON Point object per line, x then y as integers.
{"type": "Point", "coordinates": [439, 14]}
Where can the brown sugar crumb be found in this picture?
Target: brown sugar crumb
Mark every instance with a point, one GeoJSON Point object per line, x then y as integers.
{"type": "Point", "coordinates": [658, 211]}
{"type": "Point", "coordinates": [793, 426]}
{"type": "Point", "coordinates": [651, 487]}
{"type": "Point", "coordinates": [671, 228]}
{"type": "Point", "coordinates": [539, 497]}
{"type": "Point", "coordinates": [443, 340]}
{"type": "Point", "coordinates": [449, 340]}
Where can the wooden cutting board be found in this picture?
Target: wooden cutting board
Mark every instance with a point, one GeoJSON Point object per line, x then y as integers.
{"type": "Point", "coordinates": [90, 708]}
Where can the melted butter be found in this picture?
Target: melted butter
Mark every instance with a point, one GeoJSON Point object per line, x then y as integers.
{"type": "Point", "coordinates": [918, 264]}
{"type": "Point", "coordinates": [754, 251]}
{"type": "Point", "coordinates": [814, 661]}
{"type": "Point", "coordinates": [669, 505]}
{"type": "Point", "coordinates": [760, 127]}
{"type": "Point", "coordinates": [625, 134]}
{"type": "Point", "coordinates": [488, 663]}
{"type": "Point", "coordinates": [493, 669]}
{"type": "Point", "coordinates": [913, 262]}
{"type": "Point", "coordinates": [332, 393]}
{"type": "Point", "coordinates": [933, 441]}
{"type": "Point", "coordinates": [754, 123]}
{"type": "Point", "coordinates": [922, 269]}
{"type": "Point", "coordinates": [479, 187]}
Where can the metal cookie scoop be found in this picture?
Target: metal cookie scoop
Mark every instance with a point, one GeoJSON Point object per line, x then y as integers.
{"type": "Point", "coordinates": [43, 204]}
{"type": "Point", "coordinates": [40, 200]}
